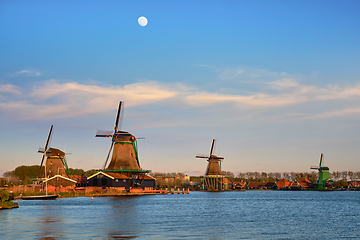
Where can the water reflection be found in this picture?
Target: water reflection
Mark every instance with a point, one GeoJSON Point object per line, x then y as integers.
{"type": "Point", "coordinates": [121, 235]}
{"type": "Point", "coordinates": [51, 222]}
{"type": "Point", "coordinates": [199, 215]}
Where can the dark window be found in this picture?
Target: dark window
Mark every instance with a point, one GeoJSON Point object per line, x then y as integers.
{"type": "Point", "coordinates": [95, 182]}
{"type": "Point", "coordinates": [104, 182]}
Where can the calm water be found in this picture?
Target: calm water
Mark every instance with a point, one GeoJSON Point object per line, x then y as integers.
{"type": "Point", "coordinates": [198, 215]}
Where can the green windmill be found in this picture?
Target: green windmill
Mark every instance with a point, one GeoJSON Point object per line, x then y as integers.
{"type": "Point", "coordinates": [324, 174]}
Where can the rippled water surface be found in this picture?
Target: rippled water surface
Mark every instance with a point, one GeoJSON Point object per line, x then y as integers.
{"type": "Point", "coordinates": [198, 215]}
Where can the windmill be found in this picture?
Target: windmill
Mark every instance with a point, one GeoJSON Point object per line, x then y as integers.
{"type": "Point", "coordinates": [214, 162]}
{"type": "Point", "coordinates": [124, 145]}
{"type": "Point", "coordinates": [55, 163]}
{"type": "Point", "coordinates": [324, 174]}
{"type": "Point", "coordinates": [213, 179]}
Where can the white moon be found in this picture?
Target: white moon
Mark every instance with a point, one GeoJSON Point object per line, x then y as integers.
{"type": "Point", "coordinates": [142, 21]}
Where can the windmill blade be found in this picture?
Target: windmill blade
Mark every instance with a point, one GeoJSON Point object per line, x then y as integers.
{"type": "Point", "coordinates": [107, 158]}
{"type": "Point", "coordinates": [42, 161]}
{"type": "Point", "coordinates": [121, 116]}
{"type": "Point", "coordinates": [104, 133]}
{"type": "Point", "coordinates": [117, 117]}
{"type": "Point", "coordinates": [201, 156]}
{"type": "Point", "coordinates": [48, 140]}
{"type": "Point", "coordinates": [47, 145]}
{"type": "Point", "coordinates": [41, 150]}
{"type": "Point", "coordinates": [321, 159]}
{"type": "Point", "coordinates": [212, 147]}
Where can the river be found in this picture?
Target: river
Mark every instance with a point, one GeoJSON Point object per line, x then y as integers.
{"type": "Point", "coordinates": [198, 215]}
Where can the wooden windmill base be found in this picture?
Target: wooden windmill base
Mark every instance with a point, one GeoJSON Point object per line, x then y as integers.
{"type": "Point", "coordinates": [214, 183]}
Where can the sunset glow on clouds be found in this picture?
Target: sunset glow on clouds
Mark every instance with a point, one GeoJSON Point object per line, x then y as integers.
{"type": "Point", "coordinates": [53, 100]}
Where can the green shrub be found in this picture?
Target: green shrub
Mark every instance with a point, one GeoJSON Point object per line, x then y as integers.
{"type": "Point", "coordinates": [4, 196]}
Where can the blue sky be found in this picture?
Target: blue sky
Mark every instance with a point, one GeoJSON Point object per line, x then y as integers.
{"type": "Point", "coordinates": [275, 82]}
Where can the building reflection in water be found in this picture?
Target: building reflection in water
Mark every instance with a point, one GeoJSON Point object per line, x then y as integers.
{"type": "Point", "coordinates": [123, 218]}
{"type": "Point", "coordinates": [51, 223]}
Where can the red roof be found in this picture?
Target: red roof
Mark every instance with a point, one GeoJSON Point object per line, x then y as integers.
{"type": "Point", "coordinates": [239, 183]}
{"type": "Point", "coordinates": [283, 183]}
{"type": "Point", "coordinates": [305, 183]}
{"type": "Point", "coordinates": [355, 183]}
{"type": "Point", "coordinates": [146, 177]}
{"type": "Point", "coordinates": [117, 175]}
{"type": "Point", "coordinates": [75, 177]}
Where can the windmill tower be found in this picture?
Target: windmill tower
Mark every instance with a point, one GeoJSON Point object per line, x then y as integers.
{"type": "Point", "coordinates": [214, 167]}
{"type": "Point", "coordinates": [55, 163]}
{"type": "Point", "coordinates": [324, 174]}
{"type": "Point", "coordinates": [213, 179]}
{"type": "Point", "coordinates": [125, 153]}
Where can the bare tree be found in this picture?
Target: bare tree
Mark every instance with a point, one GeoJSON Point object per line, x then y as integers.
{"type": "Point", "coordinates": [277, 176]}
{"type": "Point", "coordinates": [241, 175]}
{"type": "Point", "coordinates": [344, 175]}
{"type": "Point", "coordinates": [228, 174]}
{"type": "Point", "coordinates": [336, 175]}
{"type": "Point", "coordinates": [351, 175]}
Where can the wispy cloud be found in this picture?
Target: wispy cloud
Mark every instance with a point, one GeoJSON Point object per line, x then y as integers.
{"type": "Point", "coordinates": [53, 100]}
{"type": "Point", "coordinates": [290, 93]}
{"type": "Point", "coordinates": [8, 88]}
{"type": "Point", "coordinates": [333, 114]}
{"type": "Point", "coordinates": [60, 100]}
{"type": "Point", "coordinates": [27, 72]}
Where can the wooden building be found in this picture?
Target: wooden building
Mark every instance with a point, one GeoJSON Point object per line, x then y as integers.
{"type": "Point", "coordinates": [283, 184]}
{"type": "Point", "coordinates": [305, 183]}
{"type": "Point", "coordinates": [114, 179]}
{"type": "Point", "coordinates": [60, 181]}
{"type": "Point", "coordinates": [239, 185]}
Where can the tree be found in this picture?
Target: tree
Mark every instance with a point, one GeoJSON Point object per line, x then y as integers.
{"type": "Point", "coordinates": [90, 172]}
{"type": "Point", "coordinates": [277, 176]}
{"type": "Point", "coordinates": [336, 175]}
{"type": "Point", "coordinates": [264, 175]}
{"type": "Point", "coordinates": [24, 173]}
{"type": "Point", "coordinates": [228, 174]}
{"type": "Point", "coordinates": [351, 175]}
{"type": "Point", "coordinates": [344, 175]}
{"type": "Point", "coordinates": [76, 171]}
{"type": "Point", "coordinates": [241, 176]}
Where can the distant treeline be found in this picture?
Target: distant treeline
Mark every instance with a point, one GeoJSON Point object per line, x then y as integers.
{"type": "Point", "coordinates": [291, 176]}
{"type": "Point", "coordinates": [164, 180]}
{"type": "Point", "coordinates": [24, 174]}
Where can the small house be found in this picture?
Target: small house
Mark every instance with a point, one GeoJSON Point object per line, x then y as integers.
{"type": "Point", "coordinates": [283, 184]}
{"type": "Point", "coordinates": [60, 181]}
{"type": "Point", "coordinates": [114, 179]}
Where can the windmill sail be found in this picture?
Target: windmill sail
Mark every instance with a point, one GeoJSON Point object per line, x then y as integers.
{"type": "Point", "coordinates": [47, 145]}
{"type": "Point", "coordinates": [213, 167]}
{"type": "Point", "coordinates": [324, 174]}
{"type": "Point", "coordinates": [55, 163]}
{"type": "Point", "coordinates": [123, 146]}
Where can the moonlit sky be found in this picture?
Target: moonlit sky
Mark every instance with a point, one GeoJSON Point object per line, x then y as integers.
{"type": "Point", "coordinates": [276, 83]}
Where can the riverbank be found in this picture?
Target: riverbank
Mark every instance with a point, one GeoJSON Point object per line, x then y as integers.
{"type": "Point", "coordinates": [8, 205]}
{"type": "Point", "coordinates": [100, 192]}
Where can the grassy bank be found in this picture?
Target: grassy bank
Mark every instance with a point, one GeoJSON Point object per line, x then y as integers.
{"type": "Point", "coordinates": [5, 202]}
{"type": "Point", "coordinates": [8, 205]}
